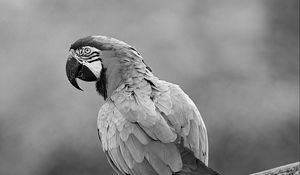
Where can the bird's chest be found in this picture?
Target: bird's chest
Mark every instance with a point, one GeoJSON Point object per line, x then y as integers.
{"type": "Point", "coordinates": [110, 123]}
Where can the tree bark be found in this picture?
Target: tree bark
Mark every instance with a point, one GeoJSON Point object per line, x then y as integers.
{"type": "Point", "coordinates": [290, 169]}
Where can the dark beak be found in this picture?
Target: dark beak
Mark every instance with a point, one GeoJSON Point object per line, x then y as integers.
{"type": "Point", "coordinates": [76, 70]}
{"type": "Point", "coordinates": [72, 69]}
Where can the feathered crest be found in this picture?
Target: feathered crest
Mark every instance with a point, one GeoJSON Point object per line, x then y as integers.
{"type": "Point", "coordinates": [100, 42]}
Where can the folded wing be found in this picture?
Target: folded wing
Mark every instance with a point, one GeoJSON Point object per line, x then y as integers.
{"type": "Point", "coordinates": [147, 129]}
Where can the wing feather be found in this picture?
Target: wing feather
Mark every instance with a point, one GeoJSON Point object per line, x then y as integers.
{"type": "Point", "coordinates": [118, 160]}
{"type": "Point", "coordinates": [142, 130]}
{"type": "Point", "coordinates": [145, 168]}
{"type": "Point", "coordinates": [193, 138]}
{"type": "Point", "coordinates": [160, 167]}
{"type": "Point", "coordinates": [194, 131]}
{"type": "Point", "coordinates": [168, 153]}
{"type": "Point", "coordinates": [135, 148]}
{"type": "Point", "coordinates": [126, 155]}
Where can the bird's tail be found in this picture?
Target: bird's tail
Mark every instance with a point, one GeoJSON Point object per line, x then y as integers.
{"type": "Point", "coordinates": [192, 165]}
{"type": "Point", "coordinates": [201, 169]}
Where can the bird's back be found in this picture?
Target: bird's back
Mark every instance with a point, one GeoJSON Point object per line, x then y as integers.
{"type": "Point", "coordinates": [153, 127]}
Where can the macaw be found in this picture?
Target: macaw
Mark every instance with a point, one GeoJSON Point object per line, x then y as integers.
{"type": "Point", "coordinates": [146, 126]}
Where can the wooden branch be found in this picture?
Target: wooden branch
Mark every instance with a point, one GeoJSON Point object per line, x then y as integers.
{"type": "Point", "coordinates": [290, 169]}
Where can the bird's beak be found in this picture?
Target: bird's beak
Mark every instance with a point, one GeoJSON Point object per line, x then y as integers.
{"type": "Point", "coordinates": [74, 70]}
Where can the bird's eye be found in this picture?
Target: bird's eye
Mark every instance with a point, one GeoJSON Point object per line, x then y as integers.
{"type": "Point", "coordinates": [87, 50]}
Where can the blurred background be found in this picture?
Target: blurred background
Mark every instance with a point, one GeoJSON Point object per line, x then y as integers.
{"type": "Point", "coordinates": [238, 60]}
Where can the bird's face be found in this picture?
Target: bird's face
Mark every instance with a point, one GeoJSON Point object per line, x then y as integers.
{"type": "Point", "coordinates": [98, 58]}
{"type": "Point", "coordinates": [84, 63]}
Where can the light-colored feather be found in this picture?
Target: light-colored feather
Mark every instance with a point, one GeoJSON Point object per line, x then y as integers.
{"type": "Point", "coordinates": [160, 167]}
{"type": "Point", "coordinates": [140, 135]}
{"type": "Point", "coordinates": [135, 148]}
{"type": "Point", "coordinates": [168, 153]}
{"type": "Point", "coordinates": [187, 112]}
{"type": "Point", "coordinates": [118, 160]}
{"type": "Point", "coordinates": [126, 155]}
{"type": "Point", "coordinates": [149, 122]}
{"type": "Point", "coordinates": [145, 168]}
{"type": "Point", "coordinates": [193, 138]}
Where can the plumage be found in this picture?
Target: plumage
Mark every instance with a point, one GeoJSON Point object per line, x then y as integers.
{"type": "Point", "coordinates": [162, 132]}
{"type": "Point", "coordinates": [146, 125]}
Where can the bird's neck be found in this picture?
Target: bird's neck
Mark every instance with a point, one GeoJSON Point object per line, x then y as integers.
{"type": "Point", "coordinates": [117, 72]}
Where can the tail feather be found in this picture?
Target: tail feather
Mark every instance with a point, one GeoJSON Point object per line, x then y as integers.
{"type": "Point", "coordinates": [191, 165]}
{"type": "Point", "coordinates": [201, 169]}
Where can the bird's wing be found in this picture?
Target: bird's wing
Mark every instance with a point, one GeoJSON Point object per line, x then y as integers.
{"type": "Point", "coordinates": [141, 129]}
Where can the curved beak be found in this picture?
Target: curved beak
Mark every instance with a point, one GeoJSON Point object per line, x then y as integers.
{"type": "Point", "coordinates": [72, 69]}
{"type": "Point", "coordinates": [83, 71]}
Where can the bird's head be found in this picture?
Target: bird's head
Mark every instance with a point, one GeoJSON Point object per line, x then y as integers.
{"type": "Point", "coordinates": [90, 57]}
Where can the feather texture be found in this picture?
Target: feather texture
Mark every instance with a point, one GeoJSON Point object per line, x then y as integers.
{"type": "Point", "coordinates": [143, 126]}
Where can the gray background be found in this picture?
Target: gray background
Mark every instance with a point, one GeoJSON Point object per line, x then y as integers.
{"type": "Point", "coordinates": [238, 60]}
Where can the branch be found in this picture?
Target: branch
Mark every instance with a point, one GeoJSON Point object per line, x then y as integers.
{"type": "Point", "coordinates": [290, 169]}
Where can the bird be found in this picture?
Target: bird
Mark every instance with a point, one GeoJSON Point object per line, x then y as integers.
{"type": "Point", "coordinates": [146, 126]}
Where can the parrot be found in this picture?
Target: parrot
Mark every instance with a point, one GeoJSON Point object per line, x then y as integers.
{"type": "Point", "coordinates": [146, 126]}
